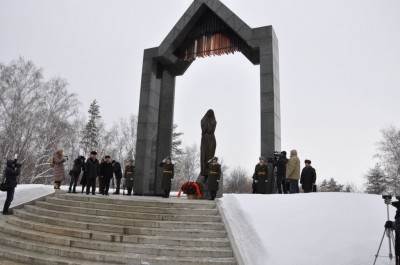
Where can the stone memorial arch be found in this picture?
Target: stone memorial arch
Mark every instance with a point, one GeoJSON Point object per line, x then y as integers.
{"type": "Point", "coordinates": [207, 28]}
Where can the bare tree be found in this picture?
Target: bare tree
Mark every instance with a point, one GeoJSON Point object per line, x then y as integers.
{"type": "Point", "coordinates": [187, 166]}
{"type": "Point", "coordinates": [389, 156]}
{"type": "Point", "coordinates": [36, 116]}
{"type": "Point", "coordinates": [238, 181]}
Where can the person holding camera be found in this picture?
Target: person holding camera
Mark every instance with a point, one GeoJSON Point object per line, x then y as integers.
{"type": "Point", "coordinates": [79, 164]}
{"type": "Point", "coordinates": [168, 175]}
{"type": "Point", "coordinates": [58, 167]}
{"type": "Point", "coordinates": [12, 171]}
{"type": "Point", "coordinates": [293, 171]}
{"type": "Point", "coordinates": [308, 177]}
{"type": "Point", "coordinates": [260, 177]}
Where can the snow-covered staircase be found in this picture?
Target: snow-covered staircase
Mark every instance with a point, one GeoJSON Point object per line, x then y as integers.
{"type": "Point", "coordinates": [87, 229]}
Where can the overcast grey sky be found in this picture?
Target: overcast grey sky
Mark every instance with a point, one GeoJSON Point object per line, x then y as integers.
{"type": "Point", "coordinates": [339, 71]}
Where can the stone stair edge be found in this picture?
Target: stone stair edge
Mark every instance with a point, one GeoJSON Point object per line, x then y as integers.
{"type": "Point", "coordinates": [38, 203]}
{"type": "Point", "coordinates": [113, 254]}
{"type": "Point", "coordinates": [12, 221]}
{"type": "Point", "coordinates": [31, 208]}
{"type": "Point", "coordinates": [122, 227]}
{"type": "Point", "coordinates": [139, 199]}
{"type": "Point", "coordinates": [91, 241]}
{"type": "Point", "coordinates": [57, 199]}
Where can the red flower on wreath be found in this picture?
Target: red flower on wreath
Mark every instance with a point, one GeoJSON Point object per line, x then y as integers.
{"type": "Point", "coordinates": [191, 188]}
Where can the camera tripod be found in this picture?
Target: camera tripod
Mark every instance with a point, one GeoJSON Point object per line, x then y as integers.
{"type": "Point", "coordinates": [389, 233]}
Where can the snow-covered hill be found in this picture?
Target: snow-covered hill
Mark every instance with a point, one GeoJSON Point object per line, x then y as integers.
{"type": "Point", "coordinates": [299, 229]}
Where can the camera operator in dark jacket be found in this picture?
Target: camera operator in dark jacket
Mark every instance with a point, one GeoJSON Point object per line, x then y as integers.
{"type": "Point", "coordinates": [308, 177]}
{"type": "Point", "coordinates": [281, 173]}
{"type": "Point", "coordinates": [79, 165]}
{"type": "Point", "coordinates": [11, 173]}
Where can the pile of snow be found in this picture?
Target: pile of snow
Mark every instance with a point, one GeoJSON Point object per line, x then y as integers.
{"type": "Point", "coordinates": [308, 229]}
{"type": "Point", "coordinates": [27, 192]}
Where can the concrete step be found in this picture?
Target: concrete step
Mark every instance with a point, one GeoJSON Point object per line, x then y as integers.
{"type": "Point", "coordinates": [141, 201]}
{"type": "Point", "coordinates": [134, 215]}
{"type": "Point", "coordinates": [174, 240]}
{"type": "Point", "coordinates": [123, 230]}
{"type": "Point", "coordinates": [17, 251]}
{"type": "Point", "coordinates": [27, 247]}
{"type": "Point", "coordinates": [66, 201]}
{"type": "Point", "coordinates": [92, 244]}
{"type": "Point", "coordinates": [218, 226]}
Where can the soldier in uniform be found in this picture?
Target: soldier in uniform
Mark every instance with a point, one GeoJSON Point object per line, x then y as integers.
{"type": "Point", "coordinates": [168, 175]}
{"type": "Point", "coordinates": [260, 176]}
{"type": "Point", "coordinates": [129, 174]}
{"type": "Point", "coordinates": [214, 174]}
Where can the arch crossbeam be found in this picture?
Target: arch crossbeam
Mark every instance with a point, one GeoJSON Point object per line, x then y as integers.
{"type": "Point", "coordinates": [162, 64]}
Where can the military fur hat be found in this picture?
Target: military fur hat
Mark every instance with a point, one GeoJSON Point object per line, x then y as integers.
{"type": "Point", "coordinates": [307, 161]}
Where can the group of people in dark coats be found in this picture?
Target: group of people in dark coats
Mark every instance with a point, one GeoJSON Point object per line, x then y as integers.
{"type": "Point", "coordinates": [287, 175]}
{"type": "Point", "coordinates": [104, 171]}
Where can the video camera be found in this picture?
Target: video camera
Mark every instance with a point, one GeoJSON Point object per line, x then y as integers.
{"type": "Point", "coordinates": [275, 158]}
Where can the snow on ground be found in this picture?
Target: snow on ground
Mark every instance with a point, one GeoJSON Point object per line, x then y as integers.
{"type": "Point", "coordinates": [27, 192]}
{"type": "Point", "coordinates": [296, 229]}
{"type": "Point", "coordinates": [308, 229]}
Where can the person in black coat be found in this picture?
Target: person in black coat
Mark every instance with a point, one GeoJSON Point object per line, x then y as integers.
{"type": "Point", "coordinates": [260, 176]}
{"type": "Point", "coordinates": [214, 175]}
{"type": "Point", "coordinates": [168, 175]}
{"type": "Point", "coordinates": [79, 164]}
{"type": "Point", "coordinates": [308, 177]}
{"type": "Point", "coordinates": [281, 173]}
{"type": "Point", "coordinates": [106, 174]}
{"type": "Point", "coordinates": [11, 173]}
{"type": "Point", "coordinates": [92, 168]}
{"type": "Point", "coordinates": [118, 174]}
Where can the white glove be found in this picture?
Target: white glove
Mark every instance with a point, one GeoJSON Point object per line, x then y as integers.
{"type": "Point", "coordinates": [256, 181]}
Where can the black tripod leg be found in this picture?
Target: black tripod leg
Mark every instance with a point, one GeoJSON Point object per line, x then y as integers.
{"type": "Point", "coordinates": [380, 245]}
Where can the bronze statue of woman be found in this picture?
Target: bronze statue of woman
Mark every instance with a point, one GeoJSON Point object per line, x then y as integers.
{"type": "Point", "coordinates": [208, 142]}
